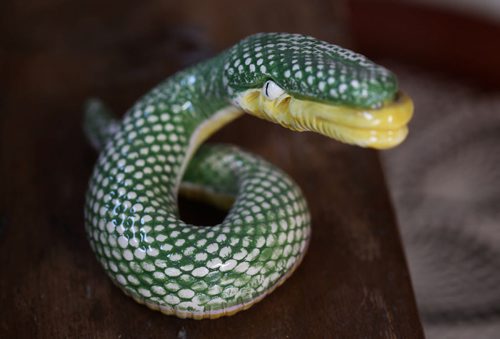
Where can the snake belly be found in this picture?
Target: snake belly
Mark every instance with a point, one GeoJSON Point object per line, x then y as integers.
{"type": "Point", "coordinates": [152, 154]}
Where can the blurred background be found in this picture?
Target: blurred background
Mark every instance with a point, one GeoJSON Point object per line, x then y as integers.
{"type": "Point", "coordinates": [444, 180]}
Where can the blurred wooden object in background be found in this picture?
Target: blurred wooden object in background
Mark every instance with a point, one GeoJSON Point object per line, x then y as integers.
{"type": "Point", "coordinates": [446, 41]}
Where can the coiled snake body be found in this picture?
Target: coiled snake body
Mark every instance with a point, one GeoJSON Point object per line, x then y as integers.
{"type": "Point", "coordinates": [131, 213]}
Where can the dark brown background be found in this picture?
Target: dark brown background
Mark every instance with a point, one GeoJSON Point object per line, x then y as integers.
{"type": "Point", "coordinates": [354, 281]}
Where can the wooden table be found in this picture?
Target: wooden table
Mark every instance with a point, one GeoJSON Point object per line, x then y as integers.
{"type": "Point", "coordinates": [353, 282]}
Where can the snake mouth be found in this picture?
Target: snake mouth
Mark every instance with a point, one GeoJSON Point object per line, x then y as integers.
{"type": "Point", "coordinates": [379, 128]}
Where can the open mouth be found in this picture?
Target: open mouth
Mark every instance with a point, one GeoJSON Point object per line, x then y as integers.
{"type": "Point", "coordinates": [379, 128]}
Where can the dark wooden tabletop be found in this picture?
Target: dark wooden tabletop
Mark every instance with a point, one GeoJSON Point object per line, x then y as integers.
{"type": "Point", "coordinates": [353, 283]}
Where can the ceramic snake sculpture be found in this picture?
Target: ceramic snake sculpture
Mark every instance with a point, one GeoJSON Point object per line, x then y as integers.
{"type": "Point", "coordinates": [131, 212]}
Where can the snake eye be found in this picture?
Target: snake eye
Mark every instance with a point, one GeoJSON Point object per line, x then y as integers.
{"type": "Point", "coordinates": [271, 90]}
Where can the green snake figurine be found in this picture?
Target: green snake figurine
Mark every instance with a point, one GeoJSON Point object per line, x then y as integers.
{"type": "Point", "coordinates": [131, 213]}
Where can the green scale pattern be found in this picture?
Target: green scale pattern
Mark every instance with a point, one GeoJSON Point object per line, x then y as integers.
{"type": "Point", "coordinates": [131, 213]}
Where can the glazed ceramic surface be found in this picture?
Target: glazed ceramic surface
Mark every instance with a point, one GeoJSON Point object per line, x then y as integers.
{"type": "Point", "coordinates": [131, 213]}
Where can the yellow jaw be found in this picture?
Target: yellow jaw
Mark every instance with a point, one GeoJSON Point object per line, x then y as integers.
{"type": "Point", "coordinates": [377, 128]}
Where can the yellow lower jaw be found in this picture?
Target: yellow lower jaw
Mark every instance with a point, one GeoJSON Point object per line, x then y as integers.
{"type": "Point", "coordinates": [376, 128]}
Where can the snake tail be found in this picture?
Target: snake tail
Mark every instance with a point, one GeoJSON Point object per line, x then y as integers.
{"type": "Point", "coordinates": [99, 123]}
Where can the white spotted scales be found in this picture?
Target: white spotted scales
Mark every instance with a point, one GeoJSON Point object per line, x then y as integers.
{"type": "Point", "coordinates": [131, 213]}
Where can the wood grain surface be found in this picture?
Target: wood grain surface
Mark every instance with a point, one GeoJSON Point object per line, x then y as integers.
{"type": "Point", "coordinates": [353, 282]}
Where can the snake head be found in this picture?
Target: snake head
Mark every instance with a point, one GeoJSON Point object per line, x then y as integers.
{"type": "Point", "coordinates": [306, 84]}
